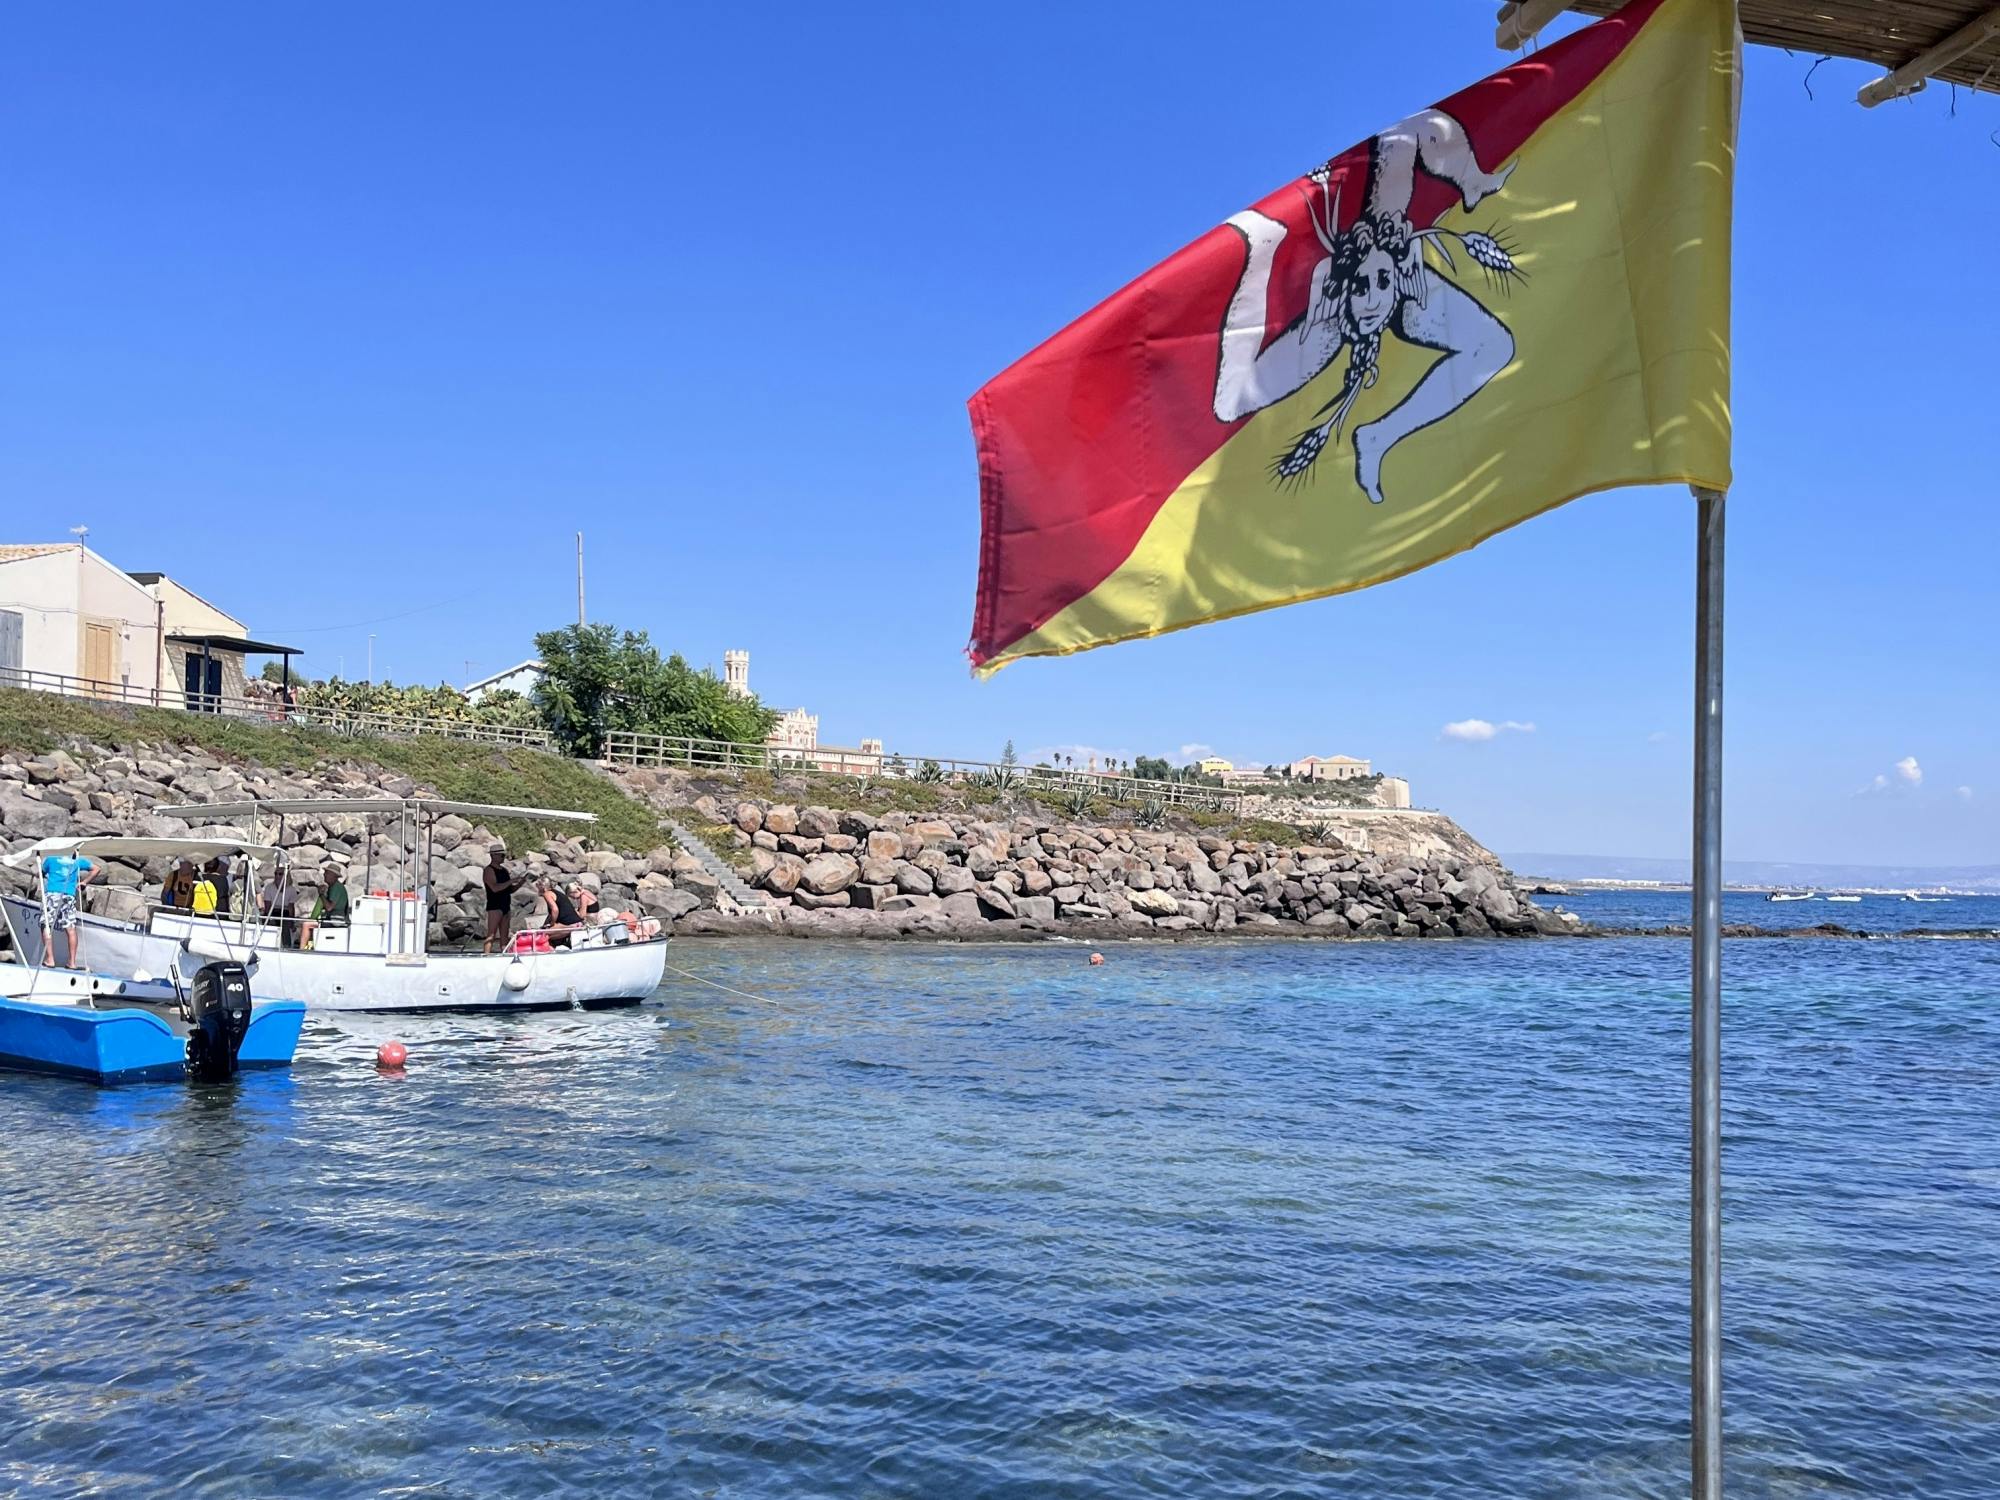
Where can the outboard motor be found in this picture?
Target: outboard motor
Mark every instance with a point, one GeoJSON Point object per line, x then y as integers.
{"type": "Point", "coordinates": [218, 1012]}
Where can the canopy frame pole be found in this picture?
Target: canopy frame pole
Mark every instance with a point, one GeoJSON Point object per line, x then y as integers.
{"type": "Point", "coordinates": [1705, 1059]}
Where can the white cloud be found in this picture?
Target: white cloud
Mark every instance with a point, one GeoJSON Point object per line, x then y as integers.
{"type": "Point", "coordinates": [1477, 731]}
{"type": "Point", "coordinates": [1904, 779]}
{"type": "Point", "coordinates": [1657, 737]}
{"type": "Point", "coordinates": [1196, 752]}
{"type": "Point", "coordinates": [1964, 794]}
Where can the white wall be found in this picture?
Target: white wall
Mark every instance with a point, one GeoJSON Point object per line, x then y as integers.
{"type": "Point", "coordinates": [42, 590]}
{"type": "Point", "coordinates": [113, 597]}
{"type": "Point", "coordinates": [56, 599]}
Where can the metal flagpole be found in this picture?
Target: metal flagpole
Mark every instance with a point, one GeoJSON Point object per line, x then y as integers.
{"type": "Point", "coordinates": [1705, 1300]}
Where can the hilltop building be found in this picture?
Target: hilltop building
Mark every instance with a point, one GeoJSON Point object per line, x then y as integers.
{"type": "Point", "coordinates": [1329, 768]}
{"type": "Point", "coordinates": [1214, 765]}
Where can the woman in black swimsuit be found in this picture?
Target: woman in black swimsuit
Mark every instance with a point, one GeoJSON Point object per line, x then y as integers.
{"type": "Point", "coordinates": [561, 918]}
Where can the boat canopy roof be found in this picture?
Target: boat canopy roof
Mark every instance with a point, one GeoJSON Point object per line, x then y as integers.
{"type": "Point", "coordinates": [107, 846]}
{"type": "Point", "coordinates": [369, 807]}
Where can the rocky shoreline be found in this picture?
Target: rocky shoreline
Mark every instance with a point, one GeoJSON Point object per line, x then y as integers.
{"type": "Point", "coordinates": [1018, 874]}
{"type": "Point", "coordinates": [830, 872]}
{"type": "Point", "coordinates": [824, 872]}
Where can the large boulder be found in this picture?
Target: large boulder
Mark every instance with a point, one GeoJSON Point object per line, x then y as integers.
{"type": "Point", "coordinates": [781, 819]}
{"type": "Point", "coordinates": [825, 874]}
{"type": "Point", "coordinates": [30, 817]}
{"type": "Point", "coordinates": [1155, 903]}
{"type": "Point", "coordinates": [814, 901]}
{"type": "Point", "coordinates": [1035, 908]}
{"type": "Point", "coordinates": [817, 823]}
{"type": "Point", "coordinates": [995, 902]}
{"type": "Point", "coordinates": [748, 816]}
{"type": "Point", "coordinates": [952, 880]}
{"type": "Point", "coordinates": [783, 877]}
{"type": "Point", "coordinates": [884, 843]}
{"type": "Point", "coordinates": [912, 881]}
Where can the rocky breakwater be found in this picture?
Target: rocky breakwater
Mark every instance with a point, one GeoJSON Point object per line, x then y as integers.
{"type": "Point", "coordinates": [835, 872]}
{"type": "Point", "coordinates": [94, 790]}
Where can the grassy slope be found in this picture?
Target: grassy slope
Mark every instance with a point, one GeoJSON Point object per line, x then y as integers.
{"type": "Point", "coordinates": [38, 722]}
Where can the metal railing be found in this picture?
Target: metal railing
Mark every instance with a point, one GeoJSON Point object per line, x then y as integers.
{"type": "Point", "coordinates": [271, 710]}
{"type": "Point", "coordinates": [629, 748]}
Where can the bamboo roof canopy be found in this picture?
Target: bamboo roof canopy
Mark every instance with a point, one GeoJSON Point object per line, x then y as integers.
{"type": "Point", "coordinates": [1953, 41]}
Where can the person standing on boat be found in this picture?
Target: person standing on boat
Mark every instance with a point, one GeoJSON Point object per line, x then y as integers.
{"type": "Point", "coordinates": [217, 870]}
{"type": "Point", "coordinates": [501, 883]}
{"type": "Point", "coordinates": [63, 878]}
{"type": "Point", "coordinates": [279, 899]}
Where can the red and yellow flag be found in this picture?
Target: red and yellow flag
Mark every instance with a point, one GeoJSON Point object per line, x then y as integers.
{"type": "Point", "coordinates": [1497, 305]}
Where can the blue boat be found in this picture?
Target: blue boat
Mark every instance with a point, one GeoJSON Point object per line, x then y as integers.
{"type": "Point", "coordinates": [107, 1030]}
{"type": "Point", "coordinates": [204, 1026]}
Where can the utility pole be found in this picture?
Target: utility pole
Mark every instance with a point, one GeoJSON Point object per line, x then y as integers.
{"type": "Point", "coordinates": [371, 657]}
{"type": "Point", "coordinates": [579, 580]}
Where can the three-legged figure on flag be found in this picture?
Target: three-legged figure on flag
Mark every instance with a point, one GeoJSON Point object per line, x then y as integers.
{"type": "Point", "coordinates": [1372, 277]}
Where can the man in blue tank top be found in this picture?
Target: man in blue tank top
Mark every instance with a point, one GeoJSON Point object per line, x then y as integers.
{"type": "Point", "coordinates": [63, 878]}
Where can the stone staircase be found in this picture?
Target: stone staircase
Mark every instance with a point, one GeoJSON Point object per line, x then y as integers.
{"type": "Point", "coordinates": [732, 895]}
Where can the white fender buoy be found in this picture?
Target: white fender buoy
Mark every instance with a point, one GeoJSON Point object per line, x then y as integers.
{"type": "Point", "coordinates": [516, 976]}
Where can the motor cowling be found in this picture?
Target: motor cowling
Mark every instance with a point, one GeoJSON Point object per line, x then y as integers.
{"type": "Point", "coordinates": [218, 1011]}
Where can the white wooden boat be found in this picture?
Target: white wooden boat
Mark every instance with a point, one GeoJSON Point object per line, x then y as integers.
{"type": "Point", "coordinates": [1843, 898]}
{"type": "Point", "coordinates": [1792, 896]}
{"type": "Point", "coordinates": [382, 961]}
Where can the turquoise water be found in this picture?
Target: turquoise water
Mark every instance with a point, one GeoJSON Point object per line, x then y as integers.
{"type": "Point", "coordinates": [1275, 1219]}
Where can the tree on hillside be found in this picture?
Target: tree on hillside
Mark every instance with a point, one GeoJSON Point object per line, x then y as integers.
{"type": "Point", "coordinates": [1152, 768]}
{"type": "Point", "coordinates": [598, 679]}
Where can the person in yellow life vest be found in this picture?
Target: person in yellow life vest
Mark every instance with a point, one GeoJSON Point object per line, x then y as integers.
{"type": "Point", "coordinates": [205, 897]}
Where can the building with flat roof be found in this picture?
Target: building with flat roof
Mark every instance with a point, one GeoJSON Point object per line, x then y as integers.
{"type": "Point", "coordinates": [1328, 768]}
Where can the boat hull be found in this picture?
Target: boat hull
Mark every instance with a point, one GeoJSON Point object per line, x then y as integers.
{"type": "Point", "coordinates": [593, 978]}
{"type": "Point", "coordinates": [40, 1032]}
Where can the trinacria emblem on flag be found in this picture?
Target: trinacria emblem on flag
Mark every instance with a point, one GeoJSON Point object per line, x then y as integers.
{"type": "Point", "coordinates": [1516, 297]}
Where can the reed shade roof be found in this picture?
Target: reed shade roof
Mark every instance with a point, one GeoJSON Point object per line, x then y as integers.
{"type": "Point", "coordinates": [1889, 32]}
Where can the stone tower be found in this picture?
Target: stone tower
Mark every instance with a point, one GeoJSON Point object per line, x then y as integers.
{"type": "Point", "coordinates": [736, 672]}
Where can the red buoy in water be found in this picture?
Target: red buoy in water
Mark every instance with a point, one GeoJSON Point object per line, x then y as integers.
{"type": "Point", "coordinates": [1096, 959]}
{"type": "Point", "coordinates": [391, 1055]}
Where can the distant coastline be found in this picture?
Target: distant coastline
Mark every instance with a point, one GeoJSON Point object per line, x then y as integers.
{"type": "Point", "coordinates": [1639, 872]}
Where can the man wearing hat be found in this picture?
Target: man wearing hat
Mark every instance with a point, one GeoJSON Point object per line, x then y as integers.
{"type": "Point", "coordinates": [501, 883]}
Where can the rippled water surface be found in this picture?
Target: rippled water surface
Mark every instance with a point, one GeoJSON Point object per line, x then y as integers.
{"type": "Point", "coordinates": [1282, 1219]}
{"type": "Point", "coordinates": [1872, 914]}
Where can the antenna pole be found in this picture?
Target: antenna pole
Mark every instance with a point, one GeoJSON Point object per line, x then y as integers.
{"type": "Point", "coordinates": [579, 580]}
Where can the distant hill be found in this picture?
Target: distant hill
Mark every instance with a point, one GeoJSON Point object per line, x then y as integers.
{"type": "Point", "coordinates": [1750, 872]}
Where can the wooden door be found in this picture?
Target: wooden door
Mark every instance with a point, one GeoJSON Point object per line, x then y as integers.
{"type": "Point", "coordinates": [100, 659]}
{"type": "Point", "coordinates": [10, 648]}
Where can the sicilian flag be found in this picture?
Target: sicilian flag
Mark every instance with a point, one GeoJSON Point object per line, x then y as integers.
{"type": "Point", "coordinates": [1500, 304]}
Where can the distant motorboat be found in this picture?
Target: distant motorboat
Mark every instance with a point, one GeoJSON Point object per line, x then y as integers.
{"type": "Point", "coordinates": [1792, 896]}
{"type": "Point", "coordinates": [1843, 898]}
{"type": "Point", "coordinates": [1927, 900]}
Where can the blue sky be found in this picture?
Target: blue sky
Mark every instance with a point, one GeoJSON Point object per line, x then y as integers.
{"type": "Point", "coordinates": [350, 316]}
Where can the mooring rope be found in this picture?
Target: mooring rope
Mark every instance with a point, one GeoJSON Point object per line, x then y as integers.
{"type": "Point", "coordinates": [723, 987]}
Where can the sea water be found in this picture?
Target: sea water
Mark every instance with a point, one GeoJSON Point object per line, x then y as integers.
{"type": "Point", "coordinates": [1230, 1219]}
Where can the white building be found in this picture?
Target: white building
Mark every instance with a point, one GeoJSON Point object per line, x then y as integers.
{"type": "Point", "coordinates": [71, 622]}
{"type": "Point", "coordinates": [1328, 768]}
{"type": "Point", "coordinates": [520, 678]}
{"type": "Point", "coordinates": [796, 731]}
{"type": "Point", "coordinates": [1393, 791]}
